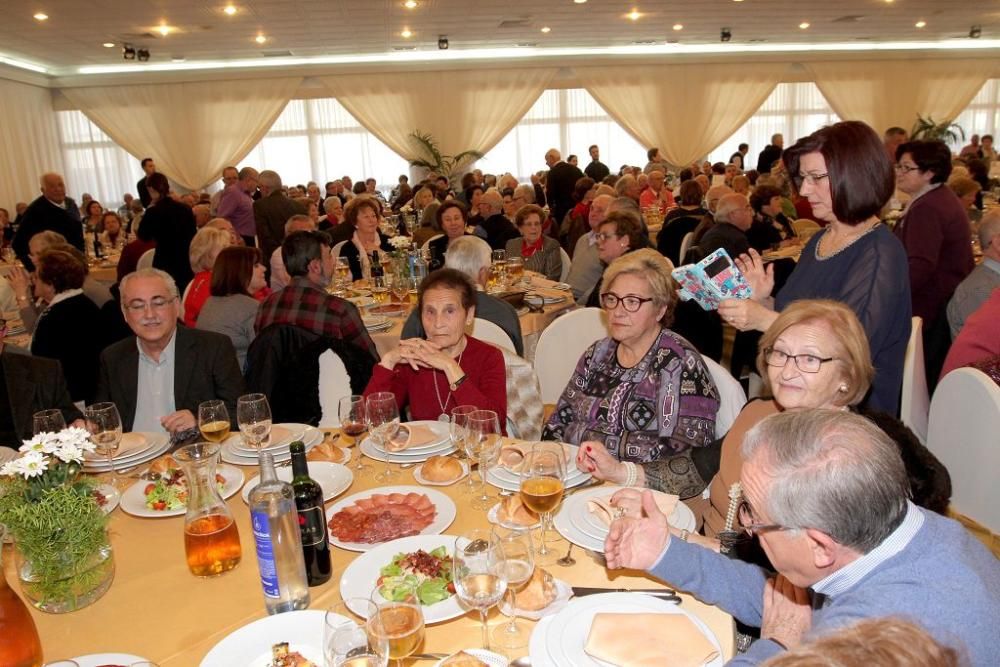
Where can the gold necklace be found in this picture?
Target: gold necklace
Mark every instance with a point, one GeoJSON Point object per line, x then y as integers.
{"type": "Point", "coordinates": [850, 242]}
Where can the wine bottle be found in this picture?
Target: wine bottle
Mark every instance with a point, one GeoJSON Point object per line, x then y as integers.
{"type": "Point", "coordinates": [312, 521]}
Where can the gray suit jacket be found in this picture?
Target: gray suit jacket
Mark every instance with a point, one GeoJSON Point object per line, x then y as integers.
{"type": "Point", "coordinates": [488, 307]}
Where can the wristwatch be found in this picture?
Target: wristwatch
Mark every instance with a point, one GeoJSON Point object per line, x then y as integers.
{"type": "Point", "coordinates": [454, 385]}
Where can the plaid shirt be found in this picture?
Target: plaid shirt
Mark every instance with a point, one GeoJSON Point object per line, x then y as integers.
{"type": "Point", "coordinates": [305, 305]}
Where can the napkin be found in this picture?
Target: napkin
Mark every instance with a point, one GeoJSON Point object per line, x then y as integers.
{"type": "Point", "coordinates": [279, 434]}
{"type": "Point", "coordinates": [411, 436]}
{"type": "Point", "coordinates": [604, 511]}
{"type": "Point", "coordinates": [547, 292]}
{"type": "Point", "coordinates": [652, 640]}
{"type": "Point", "coordinates": [512, 454]}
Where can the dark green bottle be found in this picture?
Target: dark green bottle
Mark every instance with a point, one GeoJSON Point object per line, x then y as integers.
{"type": "Point", "coordinates": [312, 520]}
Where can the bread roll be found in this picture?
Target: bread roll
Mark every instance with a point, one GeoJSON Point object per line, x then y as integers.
{"type": "Point", "coordinates": [463, 659]}
{"type": "Point", "coordinates": [441, 469]}
{"type": "Point", "coordinates": [538, 594]}
{"type": "Point", "coordinates": [514, 511]}
{"type": "Point", "coordinates": [325, 451]}
{"type": "Point", "coordinates": [164, 464]}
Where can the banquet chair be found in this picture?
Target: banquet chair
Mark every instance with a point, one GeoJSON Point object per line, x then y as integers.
{"type": "Point", "coordinates": [915, 403]}
{"type": "Point", "coordinates": [566, 262]}
{"type": "Point", "coordinates": [525, 408]}
{"type": "Point", "coordinates": [805, 227]}
{"type": "Point", "coordinates": [561, 345]}
{"type": "Point", "coordinates": [428, 241]}
{"type": "Point", "coordinates": [962, 432]}
{"type": "Point", "coordinates": [184, 296]}
{"type": "Point", "coordinates": [146, 260]}
{"type": "Point", "coordinates": [489, 332]}
{"type": "Point", "coordinates": [685, 246]}
{"type": "Point", "coordinates": [335, 250]}
{"type": "Point", "coordinates": [731, 396]}
{"type": "Point", "coordinates": [334, 384]}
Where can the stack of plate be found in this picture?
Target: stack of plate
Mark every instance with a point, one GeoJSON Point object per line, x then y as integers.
{"type": "Point", "coordinates": [418, 454]}
{"type": "Point", "coordinates": [376, 322]}
{"type": "Point", "coordinates": [502, 478]}
{"type": "Point", "coordinates": [235, 451]}
{"type": "Point", "coordinates": [134, 449]}
{"type": "Point", "coordinates": [576, 523]}
{"type": "Point", "coordinates": [559, 639]}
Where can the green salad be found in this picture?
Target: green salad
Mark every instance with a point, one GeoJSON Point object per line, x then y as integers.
{"type": "Point", "coordinates": [428, 572]}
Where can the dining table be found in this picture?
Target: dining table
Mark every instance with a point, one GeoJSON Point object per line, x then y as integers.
{"type": "Point", "coordinates": [155, 608]}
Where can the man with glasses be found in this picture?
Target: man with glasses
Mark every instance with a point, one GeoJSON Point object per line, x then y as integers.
{"type": "Point", "coordinates": [158, 378]}
{"type": "Point", "coordinates": [827, 495]}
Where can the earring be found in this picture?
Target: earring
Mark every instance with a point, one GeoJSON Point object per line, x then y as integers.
{"type": "Point", "coordinates": [843, 389]}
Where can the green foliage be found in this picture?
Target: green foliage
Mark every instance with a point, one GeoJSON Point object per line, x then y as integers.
{"type": "Point", "coordinates": [435, 161]}
{"type": "Point", "coordinates": [927, 129]}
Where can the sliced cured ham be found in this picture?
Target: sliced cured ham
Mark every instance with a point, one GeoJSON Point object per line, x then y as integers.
{"type": "Point", "coordinates": [383, 517]}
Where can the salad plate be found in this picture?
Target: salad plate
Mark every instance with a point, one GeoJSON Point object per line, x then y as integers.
{"type": "Point", "coordinates": [361, 578]}
{"type": "Point", "coordinates": [110, 496]}
{"type": "Point", "coordinates": [444, 515]}
{"type": "Point", "coordinates": [333, 478]}
{"type": "Point", "coordinates": [251, 644]}
{"type": "Point", "coordinates": [104, 659]}
{"type": "Point", "coordinates": [133, 501]}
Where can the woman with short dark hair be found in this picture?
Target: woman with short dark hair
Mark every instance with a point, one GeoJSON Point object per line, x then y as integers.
{"type": "Point", "coordinates": [364, 214]}
{"type": "Point", "coordinates": [452, 219]}
{"type": "Point", "coordinates": [237, 274]}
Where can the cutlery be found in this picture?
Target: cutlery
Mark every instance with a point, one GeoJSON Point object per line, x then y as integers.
{"type": "Point", "coordinates": [662, 593]}
{"type": "Point", "coordinates": [430, 656]}
{"type": "Point", "coordinates": [523, 661]}
{"type": "Point", "coordinates": [583, 487]}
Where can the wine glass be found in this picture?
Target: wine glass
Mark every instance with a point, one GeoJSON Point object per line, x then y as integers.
{"type": "Point", "coordinates": [457, 431]}
{"type": "Point", "coordinates": [351, 410]}
{"type": "Point", "coordinates": [400, 621]}
{"type": "Point", "coordinates": [213, 421]}
{"type": "Point", "coordinates": [480, 574]}
{"type": "Point", "coordinates": [383, 423]}
{"type": "Point", "coordinates": [253, 414]}
{"type": "Point", "coordinates": [542, 487]}
{"type": "Point", "coordinates": [519, 565]}
{"type": "Point", "coordinates": [105, 426]}
{"type": "Point", "coordinates": [483, 440]}
{"type": "Point", "coordinates": [47, 421]}
{"type": "Point", "coordinates": [349, 642]}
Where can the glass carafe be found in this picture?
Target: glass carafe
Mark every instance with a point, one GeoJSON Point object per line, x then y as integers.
{"type": "Point", "coordinates": [211, 540]}
{"type": "Point", "coordinates": [19, 643]}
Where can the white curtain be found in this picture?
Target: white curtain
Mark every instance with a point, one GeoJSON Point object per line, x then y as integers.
{"type": "Point", "coordinates": [684, 110]}
{"type": "Point", "coordinates": [462, 110]}
{"type": "Point", "coordinates": [94, 163]}
{"type": "Point", "coordinates": [892, 93]}
{"type": "Point", "coordinates": [192, 130]}
{"type": "Point", "coordinates": [982, 116]}
{"type": "Point", "coordinates": [29, 142]}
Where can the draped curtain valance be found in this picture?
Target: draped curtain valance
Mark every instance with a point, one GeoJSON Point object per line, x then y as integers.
{"type": "Point", "coordinates": [29, 138]}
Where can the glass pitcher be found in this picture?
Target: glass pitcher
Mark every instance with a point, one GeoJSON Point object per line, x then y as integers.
{"type": "Point", "coordinates": [21, 646]}
{"type": "Point", "coordinates": [211, 540]}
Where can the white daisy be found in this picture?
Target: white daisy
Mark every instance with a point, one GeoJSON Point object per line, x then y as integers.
{"type": "Point", "coordinates": [32, 464]}
{"type": "Point", "coordinates": [69, 452]}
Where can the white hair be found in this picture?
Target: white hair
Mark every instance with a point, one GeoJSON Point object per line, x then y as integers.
{"type": "Point", "coordinates": [468, 255]}
{"type": "Point", "coordinates": [149, 273]}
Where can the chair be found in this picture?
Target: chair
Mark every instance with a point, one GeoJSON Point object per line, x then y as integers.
{"type": "Point", "coordinates": [566, 262]}
{"type": "Point", "coordinates": [731, 396]}
{"type": "Point", "coordinates": [335, 250]}
{"type": "Point", "coordinates": [962, 432]}
{"type": "Point", "coordinates": [428, 241]}
{"type": "Point", "coordinates": [184, 298]}
{"type": "Point", "coordinates": [805, 228]}
{"type": "Point", "coordinates": [686, 245]}
{"type": "Point", "coordinates": [334, 384]}
{"type": "Point", "coordinates": [525, 408]}
{"type": "Point", "coordinates": [561, 345]}
{"type": "Point", "coordinates": [915, 403]}
{"type": "Point", "coordinates": [670, 238]}
{"type": "Point", "coordinates": [146, 260]}
{"type": "Point", "coordinates": [489, 332]}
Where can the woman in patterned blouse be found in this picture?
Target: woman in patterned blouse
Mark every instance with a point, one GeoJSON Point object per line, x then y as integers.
{"type": "Point", "coordinates": [640, 400]}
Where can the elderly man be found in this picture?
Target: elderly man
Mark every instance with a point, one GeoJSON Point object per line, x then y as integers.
{"type": "Point", "coordinates": [471, 255]}
{"type": "Point", "coordinates": [236, 205]}
{"type": "Point", "coordinates": [972, 292]}
{"type": "Point", "coordinates": [657, 194]}
{"type": "Point", "coordinates": [229, 176]}
{"type": "Point", "coordinates": [52, 211]}
{"type": "Point", "coordinates": [125, 210]}
{"type": "Point", "coordinates": [656, 162]}
{"type": "Point", "coordinates": [159, 377]}
{"type": "Point", "coordinates": [272, 211]}
{"type": "Point", "coordinates": [826, 493]}
{"type": "Point", "coordinates": [560, 184]}
{"type": "Point", "coordinates": [628, 186]}
{"type": "Point", "coordinates": [596, 169]}
{"type": "Point", "coordinates": [495, 227]}
{"type": "Point", "coordinates": [893, 138]}
{"type": "Point", "coordinates": [305, 303]}
{"type": "Point", "coordinates": [297, 223]}
{"type": "Point", "coordinates": [714, 195]}
{"type": "Point", "coordinates": [770, 154]}
{"type": "Point", "coordinates": [586, 268]}
{"type": "Point", "coordinates": [148, 169]}
{"type": "Point", "coordinates": [733, 217]}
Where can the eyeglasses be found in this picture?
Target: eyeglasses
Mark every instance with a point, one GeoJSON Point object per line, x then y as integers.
{"type": "Point", "coordinates": [905, 168]}
{"type": "Point", "coordinates": [807, 363]}
{"type": "Point", "coordinates": [601, 236]}
{"type": "Point", "coordinates": [630, 303]}
{"type": "Point", "coordinates": [750, 526]}
{"type": "Point", "coordinates": [156, 303]}
{"type": "Point", "coordinates": [813, 179]}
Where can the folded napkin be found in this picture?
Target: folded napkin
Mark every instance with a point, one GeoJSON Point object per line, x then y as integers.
{"type": "Point", "coordinates": [652, 640]}
{"type": "Point", "coordinates": [513, 453]}
{"type": "Point", "coordinates": [604, 511]}
{"type": "Point", "coordinates": [411, 436]}
{"type": "Point", "coordinates": [279, 434]}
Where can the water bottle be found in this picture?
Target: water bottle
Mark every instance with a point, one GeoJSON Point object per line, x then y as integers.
{"type": "Point", "coordinates": [419, 268]}
{"type": "Point", "coordinates": [275, 524]}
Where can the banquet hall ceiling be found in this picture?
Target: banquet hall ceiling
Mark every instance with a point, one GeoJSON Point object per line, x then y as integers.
{"type": "Point", "coordinates": [75, 31]}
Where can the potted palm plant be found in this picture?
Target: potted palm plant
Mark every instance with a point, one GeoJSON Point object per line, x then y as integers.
{"type": "Point", "coordinates": [928, 129]}
{"type": "Point", "coordinates": [435, 162]}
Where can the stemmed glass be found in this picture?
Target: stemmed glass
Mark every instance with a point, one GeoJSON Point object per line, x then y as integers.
{"type": "Point", "coordinates": [480, 574]}
{"type": "Point", "coordinates": [519, 558]}
{"type": "Point", "coordinates": [542, 487]}
{"type": "Point", "coordinates": [457, 431]}
{"type": "Point", "coordinates": [483, 441]}
{"type": "Point", "coordinates": [253, 414]}
{"type": "Point", "coordinates": [213, 421]}
{"type": "Point", "coordinates": [342, 272]}
{"type": "Point", "coordinates": [351, 410]}
{"type": "Point", "coordinates": [400, 621]}
{"type": "Point", "coordinates": [351, 642]}
{"type": "Point", "coordinates": [383, 423]}
{"type": "Point", "coordinates": [47, 421]}
{"type": "Point", "coordinates": [105, 426]}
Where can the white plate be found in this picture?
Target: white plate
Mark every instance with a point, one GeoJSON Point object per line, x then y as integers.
{"type": "Point", "coordinates": [311, 438]}
{"type": "Point", "coordinates": [537, 651]}
{"type": "Point", "coordinates": [441, 431]}
{"type": "Point", "coordinates": [369, 449]}
{"type": "Point", "coordinates": [489, 657]}
{"type": "Point", "coordinates": [446, 511]}
{"type": "Point", "coordinates": [132, 445]}
{"type": "Point", "coordinates": [361, 301]}
{"type": "Point", "coordinates": [493, 516]}
{"type": "Point", "coordinates": [134, 499]}
{"type": "Point", "coordinates": [161, 446]}
{"type": "Point", "coordinates": [537, 298]}
{"type": "Point", "coordinates": [100, 659]}
{"type": "Point", "coordinates": [251, 644]}
{"type": "Point", "coordinates": [112, 496]}
{"type": "Point", "coordinates": [360, 578]}
{"type": "Point", "coordinates": [294, 432]}
{"type": "Point", "coordinates": [418, 475]}
{"type": "Point", "coordinates": [332, 477]}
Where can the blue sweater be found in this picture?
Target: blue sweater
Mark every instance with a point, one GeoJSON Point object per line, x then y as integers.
{"type": "Point", "coordinates": [944, 580]}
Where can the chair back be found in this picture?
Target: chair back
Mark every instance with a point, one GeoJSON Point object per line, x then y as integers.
{"type": "Point", "coordinates": [731, 396]}
{"type": "Point", "coordinates": [184, 298]}
{"type": "Point", "coordinates": [334, 384]}
{"type": "Point", "coordinates": [566, 262]}
{"type": "Point", "coordinates": [671, 237]}
{"type": "Point", "coordinates": [335, 250]}
{"type": "Point", "coordinates": [491, 333]}
{"type": "Point", "coordinates": [686, 245]}
{"type": "Point", "coordinates": [428, 241]}
{"type": "Point", "coordinates": [524, 398]}
{"type": "Point", "coordinates": [962, 432]}
{"type": "Point", "coordinates": [561, 345]}
{"type": "Point", "coordinates": [146, 260]}
{"type": "Point", "coordinates": [915, 403]}
{"type": "Point", "coordinates": [805, 228]}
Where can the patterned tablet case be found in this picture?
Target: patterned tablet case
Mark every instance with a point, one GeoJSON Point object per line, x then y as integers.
{"type": "Point", "coordinates": [711, 280]}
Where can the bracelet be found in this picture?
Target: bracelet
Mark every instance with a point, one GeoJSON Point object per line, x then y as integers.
{"type": "Point", "coordinates": [684, 534]}
{"type": "Point", "coordinates": [631, 474]}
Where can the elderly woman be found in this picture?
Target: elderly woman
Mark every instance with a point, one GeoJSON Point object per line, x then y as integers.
{"type": "Point", "coordinates": [844, 171]}
{"type": "Point", "coordinates": [67, 330]}
{"type": "Point", "coordinates": [540, 253]}
{"type": "Point", "coordinates": [93, 213]}
{"type": "Point", "coordinates": [452, 218]}
{"type": "Point", "coordinates": [770, 226]}
{"type": "Point", "coordinates": [205, 247]}
{"type": "Point", "coordinates": [621, 232]}
{"type": "Point", "coordinates": [170, 225]}
{"type": "Point", "coordinates": [641, 401]}
{"type": "Point", "coordinates": [231, 309]}
{"type": "Point", "coordinates": [425, 205]}
{"type": "Point", "coordinates": [112, 237]}
{"type": "Point", "coordinates": [448, 368]}
{"type": "Point", "coordinates": [576, 221]}
{"type": "Point", "coordinates": [363, 213]}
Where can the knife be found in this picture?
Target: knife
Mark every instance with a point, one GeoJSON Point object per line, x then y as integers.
{"type": "Point", "coordinates": [662, 593]}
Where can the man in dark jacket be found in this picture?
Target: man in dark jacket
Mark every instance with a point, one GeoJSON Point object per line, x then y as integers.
{"type": "Point", "coordinates": [770, 154]}
{"type": "Point", "coordinates": [596, 170]}
{"type": "Point", "coordinates": [148, 169]}
{"type": "Point", "coordinates": [495, 228]}
{"type": "Point", "coordinates": [560, 184]}
{"type": "Point", "coordinates": [272, 211]}
{"type": "Point", "coordinates": [52, 211]}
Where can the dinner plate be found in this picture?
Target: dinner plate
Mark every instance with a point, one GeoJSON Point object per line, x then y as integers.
{"type": "Point", "coordinates": [376, 321]}
{"type": "Point", "coordinates": [511, 482]}
{"type": "Point", "coordinates": [446, 511]}
{"type": "Point", "coordinates": [281, 436]}
{"type": "Point", "coordinates": [162, 446]}
{"type": "Point", "coordinates": [312, 437]}
{"type": "Point", "coordinates": [545, 299]}
{"type": "Point", "coordinates": [134, 499]}
{"type": "Point", "coordinates": [360, 578]}
{"type": "Point", "coordinates": [361, 301]}
{"type": "Point", "coordinates": [441, 431]}
{"type": "Point", "coordinates": [103, 659]}
{"type": "Point", "coordinates": [493, 516]}
{"type": "Point", "coordinates": [418, 475]}
{"type": "Point", "coordinates": [538, 654]}
{"type": "Point", "coordinates": [371, 450]}
{"type": "Point", "coordinates": [132, 445]}
{"type": "Point", "coordinates": [251, 644]}
{"type": "Point", "coordinates": [489, 657]}
{"type": "Point", "coordinates": [333, 478]}
{"type": "Point", "coordinates": [111, 497]}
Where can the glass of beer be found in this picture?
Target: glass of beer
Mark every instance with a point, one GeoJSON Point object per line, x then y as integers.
{"type": "Point", "coordinates": [343, 271]}
{"type": "Point", "coordinates": [400, 621]}
{"type": "Point", "coordinates": [515, 270]}
{"type": "Point", "coordinates": [542, 475]}
{"type": "Point", "coordinates": [213, 421]}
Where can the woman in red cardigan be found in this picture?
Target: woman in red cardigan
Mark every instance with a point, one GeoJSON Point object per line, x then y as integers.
{"type": "Point", "coordinates": [448, 368]}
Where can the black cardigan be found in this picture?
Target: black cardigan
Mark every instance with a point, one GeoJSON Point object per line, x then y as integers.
{"type": "Point", "coordinates": [70, 332]}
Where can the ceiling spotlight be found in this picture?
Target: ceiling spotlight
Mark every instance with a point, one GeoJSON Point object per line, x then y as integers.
{"type": "Point", "coordinates": [229, 10]}
{"type": "Point", "coordinates": [920, 24]}
{"type": "Point", "coordinates": [142, 55]}
{"type": "Point", "coordinates": [260, 39]}
{"type": "Point", "coordinates": [128, 53]}
{"type": "Point", "coordinates": [546, 29]}
{"type": "Point", "coordinates": [634, 14]}
{"type": "Point", "coordinates": [164, 29]}
{"type": "Point", "coordinates": [804, 25]}
{"type": "Point", "coordinates": [580, 2]}
{"type": "Point", "coordinates": [406, 33]}
{"type": "Point", "coordinates": [678, 26]}
{"type": "Point", "coordinates": [975, 32]}
{"type": "Point", "coordinates": [443, 42]}
{"type": "Point", "coordinates": [108, 45]}
{"type": "Point", "coordinates": [725, 35]}
{"type": "Point", "coordinates": [410, 4]}
{"type": "Point", "coordinates": [41, 17]}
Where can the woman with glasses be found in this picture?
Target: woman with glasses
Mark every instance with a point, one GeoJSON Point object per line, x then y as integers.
{"type": "Point", "coordinates": [845, 173]}
{"type": "Point", "coordinates": [620, 233]}
{"type": "Point", "coordinates": [641, 401]}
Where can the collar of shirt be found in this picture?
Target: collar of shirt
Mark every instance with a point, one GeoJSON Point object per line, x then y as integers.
{"type": "Point", "coordinates": [847, 577]}
{"type": "Point", "coordinates": [305, 282]}
{"type": "Point", "coordinates": [591, 237]}
{"type": "Point", "coordinates": [62, 296]}
{"type": "Point", "coordinates": [991, 264]}
{"type": "Point", "coordinates": [61, 204]}
{"type": "Point", "coordinates": [166, 355]}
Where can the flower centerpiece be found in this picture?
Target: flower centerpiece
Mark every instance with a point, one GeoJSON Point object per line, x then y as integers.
{"type": "Point", "coordinates": [401, 255]}
{"type": "Point", "coordinates": [63, 557]}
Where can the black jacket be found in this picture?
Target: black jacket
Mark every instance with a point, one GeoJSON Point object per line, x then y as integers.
{"type": "Point", "coordinates": [559, 187]}
{"type": "Point", "coordinates": [597, 170]}
{"type": "Point", "coordinates": [34, 384]}
{"type": "Point", "coordinates": [499, 230]}
{"type": "Point", "coordinates": [42, 215]}
{"type": "Point", "coordinates": [270, 214]}
{"type": "Point", "coordinates": [767, 158]}
{"type": "Point", "coordinates": [70, 333]}
{"type": "Point", "coordinates": [353, 255]}
{"type": "Point", "coordinates": [143, 191]}
{"type": "Point", "coordinates": [171, 225]}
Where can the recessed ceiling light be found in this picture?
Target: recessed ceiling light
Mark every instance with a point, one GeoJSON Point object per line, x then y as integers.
{"type": "Point", "coordinates": [406, 33]}
{"type": "Point", "coordinates": [177, 59]}
{"type": "Point", "coordinates": [108, 45]}
{"type": "Point", "coordinates": [634, 14]}
{"type": "Point", "coordinates": [678, 26]}
{"type": "Point", "coordinates": [580, 2]}
{"type": "Point", "coordinates": [260, 39]}
{"type": "Point", "coordinates": [920, 24]}
{"type": "Point", "coordinates": [804, 25]}
{"type": "Point", "coordinates": [229, 10]}
{"type": "Point", "coordinates": [41, 17]}
{"type": "Point", "coordinates": [546, 29]}
{"type": "Point", "coordinates": [164, 29]}
{"type": "Point", "coordinates": [410, 4]}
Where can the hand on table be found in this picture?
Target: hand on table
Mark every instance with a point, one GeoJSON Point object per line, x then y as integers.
{"type": "Point", "coordinates": [760, 277]}
{"type": "Point", "coordinates": [182, 420]}
{"type": "Point", "coordinates": [594, 457]}
{"type": "Point", "coordinates": [637, 543]}
{"type": "Point", "coordinates": [787, 612]}
{"type": "Point", "coordinates": [746, 314]}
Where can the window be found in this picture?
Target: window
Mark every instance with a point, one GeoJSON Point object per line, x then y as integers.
{"type": "Point", "coordinates": [982, 116]}
{"type": "Point", "coordinates": [94, 163]}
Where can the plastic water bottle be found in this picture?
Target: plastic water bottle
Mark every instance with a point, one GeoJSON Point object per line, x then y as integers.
{"type": "Point", "coordinates": [275, 524]}
{"type": "Point", "coordinates": [419, 267]}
